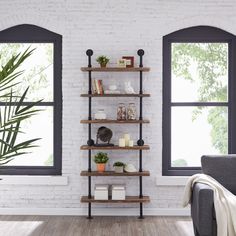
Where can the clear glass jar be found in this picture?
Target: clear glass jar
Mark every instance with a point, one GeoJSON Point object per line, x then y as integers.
{"type": "Point", "coordinates": [131, 112]}
{"type": "Point", "coordinates": [121, 111]}
{"type": "Point", "coordinates": [100, 115]}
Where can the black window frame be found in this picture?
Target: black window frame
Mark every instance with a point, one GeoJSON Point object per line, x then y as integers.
{"type": "Point", "coordinates": [203, 34]}
{"type": "Point", "coordinates": [27, 33]}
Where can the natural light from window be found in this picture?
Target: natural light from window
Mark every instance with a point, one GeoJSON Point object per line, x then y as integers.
{"type": "Point", "coordinates": [199, 73]}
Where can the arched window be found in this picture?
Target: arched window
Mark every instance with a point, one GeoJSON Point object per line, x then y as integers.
{"type": "Point", "coordinates": [30, 101]}
{"type": "Point", "coordinates": [199, 98]}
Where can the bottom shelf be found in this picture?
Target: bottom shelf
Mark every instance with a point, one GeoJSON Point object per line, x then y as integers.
{"type": "Point", "coordinates": [128, 199]}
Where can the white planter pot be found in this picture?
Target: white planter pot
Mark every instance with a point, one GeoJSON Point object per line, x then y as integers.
{"type": "Point", "coordinates": [119, 169]}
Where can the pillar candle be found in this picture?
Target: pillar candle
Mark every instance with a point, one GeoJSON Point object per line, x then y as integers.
{"type": "Point", "coordinates": [127, 138]}
{"type": "Point", "coordinates": [121, 142]}
{"type": "Point", "coordinates": [131, 143]}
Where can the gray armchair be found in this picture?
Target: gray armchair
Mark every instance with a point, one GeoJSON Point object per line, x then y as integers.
{"type": "Point", "coordinates": [223, 169]}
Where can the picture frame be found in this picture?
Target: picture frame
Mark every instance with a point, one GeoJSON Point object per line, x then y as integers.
{"type": "Point", "coordinates": [121, 63]}
{"type": "Point", "coordinates": [129, 61]}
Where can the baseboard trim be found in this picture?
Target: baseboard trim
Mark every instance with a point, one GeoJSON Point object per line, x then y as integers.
{"type": "Point", "coordinates": [96, 211]}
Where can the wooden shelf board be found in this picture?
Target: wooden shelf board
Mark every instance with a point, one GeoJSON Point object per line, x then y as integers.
{"type": "Point", "coordinates": [86, 147]}
{"type": "Point", "coordinates": [112, 173]}
{"type": "Point", "coordinates": [128, 199]}
{"type": "Point", "coordinates": [116, 95]}
{"type": "Point", "coordinates": [107, 121]}
{"type": "Point", "coordinates": [115, 69]}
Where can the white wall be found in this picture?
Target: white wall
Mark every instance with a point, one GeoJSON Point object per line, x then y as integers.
{"type": "Point", "coordinates": [113, 28]}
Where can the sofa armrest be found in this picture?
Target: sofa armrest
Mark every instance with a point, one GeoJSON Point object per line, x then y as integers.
{"type": "Point", "coordinates": [202, 208]}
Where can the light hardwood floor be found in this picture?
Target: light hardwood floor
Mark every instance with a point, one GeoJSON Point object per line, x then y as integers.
{"type": "Point", "coordinates": [98, 226]}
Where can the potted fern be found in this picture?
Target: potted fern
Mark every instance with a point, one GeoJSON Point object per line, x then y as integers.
{"type": "Point", "coordinates": [102, 60]}
{"type": "Point", "coordinates": [101, 159]}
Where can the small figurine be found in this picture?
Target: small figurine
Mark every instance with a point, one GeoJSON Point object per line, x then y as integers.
{"type": "Point", "coordinates": [105, 135]}
{"type": "Point", "coordinates": [128, 88]}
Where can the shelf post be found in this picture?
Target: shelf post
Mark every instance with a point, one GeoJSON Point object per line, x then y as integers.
{"type": "Point", "coordinates": [140, 141]}
{"type": "Point", "coordinates": [90, 142]}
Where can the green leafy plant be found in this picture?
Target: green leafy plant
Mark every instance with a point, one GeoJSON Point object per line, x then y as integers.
{"type": "Point", "coordinates": [102, 60]}
{"type": "Point", "coordinates": [14, 111]}
{"type": "Point", "coordinates": [101, 158]}
{"type": "Point", "coordinates": [118, 163]}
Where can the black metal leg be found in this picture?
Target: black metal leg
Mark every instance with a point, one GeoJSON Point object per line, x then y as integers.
{"type": "Point", "coordinates": [141, 211]}
{"type": "Point", "coordinates": [90, 141]}
{"type": "Point", "coordinates": [89, 211]}
{"type": "Point", "coordinates": [140, 141]}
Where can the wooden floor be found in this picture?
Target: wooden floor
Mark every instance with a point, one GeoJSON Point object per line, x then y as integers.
{"type": "Point", "coordinates": [99, 226]}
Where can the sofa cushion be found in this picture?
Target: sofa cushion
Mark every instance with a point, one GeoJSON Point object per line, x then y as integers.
{"type": "Point", "coordinates": [222, 168]}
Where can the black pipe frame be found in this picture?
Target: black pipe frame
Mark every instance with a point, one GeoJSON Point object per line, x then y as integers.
{"type": "Point", "coordinates": [140, 142]}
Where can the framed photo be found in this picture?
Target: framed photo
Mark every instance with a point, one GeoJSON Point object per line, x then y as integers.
{"type": "Point", "coordinates": [129, 61]}
{"type": "Point", "coordinates": [121, 63]}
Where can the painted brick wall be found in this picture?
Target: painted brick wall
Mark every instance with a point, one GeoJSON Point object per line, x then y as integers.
{"type": "Point", "coordinates": [113, 28]}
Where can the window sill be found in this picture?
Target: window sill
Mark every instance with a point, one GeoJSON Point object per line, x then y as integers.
{"type": "Point", "coordinates": [33, 180]}
{"type": "Point", "coordinates": [171, 180]}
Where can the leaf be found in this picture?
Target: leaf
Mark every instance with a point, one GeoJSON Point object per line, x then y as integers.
{"type": "Point", "coordinates": [11, 116]}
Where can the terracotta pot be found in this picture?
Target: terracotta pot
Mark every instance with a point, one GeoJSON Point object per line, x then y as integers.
{"type": "Point", "coordinates": [101, 167]}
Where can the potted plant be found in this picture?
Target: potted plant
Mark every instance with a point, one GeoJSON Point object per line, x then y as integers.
{"type": "Point", "coordinates": [119, 167]}
{"type": "Point", "coordinates": [102, 60]}
{"type": "Point", "coordinates": [101, 159]}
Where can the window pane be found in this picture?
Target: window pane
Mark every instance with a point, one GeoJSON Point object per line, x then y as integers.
{"type": "Point", "coordinates": [38, 69]}
{"type": "Point", "coordinates": [38, 126]}
{"type": "Point", "coordinates": [197, 131]}
{"type": "Point", "coordinates": [199, 72]}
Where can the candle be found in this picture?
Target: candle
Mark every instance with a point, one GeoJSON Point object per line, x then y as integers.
{"type": "Point", "coordinates": [121, 142]}
{"type": "Point", "coordinates": [127, 138]}
{"type": "Point", "coordinates": [131, 143]}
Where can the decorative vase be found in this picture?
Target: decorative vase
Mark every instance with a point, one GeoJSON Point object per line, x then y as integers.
{"type": "Point", "coordinates": [119, 169]}
{"type": "Point", "coordinates": [101, 167]}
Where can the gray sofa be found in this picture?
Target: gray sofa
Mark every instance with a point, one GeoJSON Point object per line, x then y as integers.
{"type": "Point", "coordinates": [223, 169]}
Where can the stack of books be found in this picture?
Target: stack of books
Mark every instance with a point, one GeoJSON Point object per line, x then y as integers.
{"type": "Point", "coordinates": [97, 86]}
{"type": "Point", "coordinates": [101, 192]}
{"type": "Point", "coordinates": [118, 192]}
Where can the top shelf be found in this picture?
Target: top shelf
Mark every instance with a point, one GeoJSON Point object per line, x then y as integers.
{"type": "Point", "coordinates": [115, 69]}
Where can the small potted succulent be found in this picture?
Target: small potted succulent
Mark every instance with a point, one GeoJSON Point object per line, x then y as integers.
{"type": "Point", "coordinates": [101, 159]}
{"type": "Point", "coordinates": [102, 60]}
{"type": "Point", "coordinates": [119, 167]}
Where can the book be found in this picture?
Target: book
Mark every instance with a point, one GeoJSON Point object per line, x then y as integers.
{"type": "Point", "coordinates": [100, 86]}
{"type": "Point", "coordinates": [97, 86]}
{"type": "Point", "coordinates": [94, 87]}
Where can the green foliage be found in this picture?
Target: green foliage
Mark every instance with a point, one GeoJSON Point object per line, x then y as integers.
{"type": "Point", "coordinates": [179, 163]}
{"type": "Point", "coordinates": [11, 115]}
{"type": "Point", "coordinates": [217, 118]}
{"type": "Point", "coordinates": [102, 60]}
{"type": "Point", "coordinates": [211, 62]}
{"type": "Point", "coordinates": [49, 161]}
{"type": "Point", "coordinates": [101, 157]}
{"type": "Point", "coordinates": [118, 163]}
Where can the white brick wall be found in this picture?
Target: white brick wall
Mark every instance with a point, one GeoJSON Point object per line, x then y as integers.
{"type": "Point", "coordinates": [113, 28]}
